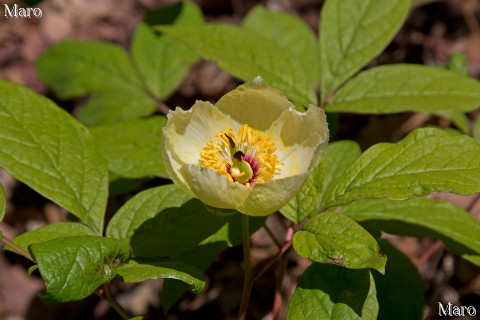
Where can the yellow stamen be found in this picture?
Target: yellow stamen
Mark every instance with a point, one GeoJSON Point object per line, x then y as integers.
{"type": "Point", "coordinates": [218, 154]}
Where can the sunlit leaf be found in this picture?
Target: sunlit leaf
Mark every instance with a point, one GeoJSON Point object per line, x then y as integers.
{"type": "Point", "coordinates": [246, 55]}
{"type": "Point", "coordinates": [427, 160]}
{"type": "Point", "coordinates": [74, 267]}
{"type": "Point", "coordinates": [420, 217]}
{"type": "Point", "coordinates": [404, 87]}
{"type": "Point", "coordinates": [352, 33]}
{"type": "Point", "coordinates": [44, 147]}
{"type": "Point", "coordinates": [335, 238]}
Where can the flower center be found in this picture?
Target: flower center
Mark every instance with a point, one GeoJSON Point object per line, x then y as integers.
{"type": "Point", "coordinates": [247, 158]}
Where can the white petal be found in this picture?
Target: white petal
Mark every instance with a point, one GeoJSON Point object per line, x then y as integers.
{"type": "Point", "coordinates": [172, 165]}
{"type": "Point", "coordinates": [254, 103]}
{"type": "Point", "coordinates": [300, 139]}
{"type": "Point", "coordinates": [214, 189]}
{"type": "Point", "coordinates": [189, 131]}
{"type": "Point", "coordinates": [268, 197]}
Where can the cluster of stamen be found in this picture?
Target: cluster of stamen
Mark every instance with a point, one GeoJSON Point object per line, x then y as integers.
{"type": "Point", "coordinates": [248, 157]}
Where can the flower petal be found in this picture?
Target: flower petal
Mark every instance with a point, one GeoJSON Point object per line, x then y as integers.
{"type": "Point", "coordinates": [189, 131]}
{"type": "Point", "coordinates": [300, 139]}
{"type": "Point", "coordinates": [254, 103]}
{"type": "Point", "coordinates": [268, 197]}
{"type": "Point", "coordinates": [214, 189]}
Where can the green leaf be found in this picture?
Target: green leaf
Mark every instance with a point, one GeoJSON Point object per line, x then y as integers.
{"type": "Point", "coordinates": [112, 107]}
{"type": "Point", "coordinates": [404, 87]}
{"type": "Point", "coordinates": [161, 61]}
{"type": "Point", "coordinates": [459, 119]}
{"type": "Point", "coordinates": [307, 199]}
{"type": "Point", "coordinates": [246, 55]}
{"type": "Point", "coordinates": [51, 232]}
{"type": "Point", "coordinates": [352, 33]}
{"type": "Point", "coordinates": [75, 68]}
{"type": "Point", "coordinates": [137, 271]}
{"type": "Point", "coordinates": [340, 156]}
{"type": "Point", "coordinates": [44, 147]}
{"type": "Point", "coordinates": [400, 290]}
{"type": "Point", "coordinates": [74, 267]}
{"type": "Point", "coordinates": [458, 63]}
{"type": "Point", "coordinates": [476, 129]}
{"type": "Point", "coordinates": [427, 160]}
{"type": "Point", "coordinates": [420, 217]}
{"type": "Point", "coordinates": [176, 229]}
{"type": "Point", "coordinates": [3, 203]}
{"type": "Point", "coordinates": [133, 148]}
{"type": "Point", "coordinates": [335, 238]}
{"type": "Point", "coordinates": [290, 33]}
{"type": "Point", "coordinates": [164, 221]}
{"type": "Point", "coordinates": [313, 194]}
{"type": "Point", "coordinates": [328, 292]}
{"type": "Point", "coordinates": [142, 207]}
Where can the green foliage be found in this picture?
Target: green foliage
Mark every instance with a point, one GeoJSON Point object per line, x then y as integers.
{"type": "Point", "coordinates": [335, 238]}
{"type": "Point", "coordinates": [456, 227]}
{"type": "Point", "coordinates": [122, 87]}
{"type": "Point", "coordinates": [331, 292]}
{"type": "Point", "coordinates": [290, 33]}
{"type": "Point", "coordinates": [403, 87]}
{"type": "Point", "coordinates": [426, 161]}
{"type": "Point", "coordinates": [74, 267]}
{"type": "Point", "coordinates": [139, 154]}
{"type": "Point", "coordinates": [246, 54]}
{"type": "Point", "coordinates": [352, 33]}
{"type": "Point", "coordinates": [140, 270]}
{"type": "Point", "coordinates": [44, 147]}
{"type": "Point", "coordinates": [3, 203]}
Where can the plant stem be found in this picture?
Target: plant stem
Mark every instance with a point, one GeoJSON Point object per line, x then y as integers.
{"type": "Point", "coordinates": [19, 250]}
{"type": "Point", "coordinates": [277, 301]}
{"type": "Point", "coordinates": [115, 305]}
{"type": "Point", "coordinates": [247, 265]}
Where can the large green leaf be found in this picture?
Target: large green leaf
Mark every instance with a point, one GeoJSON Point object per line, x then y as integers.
{"type": "Point", "coordinates": [289, 32]}
{"type": "Point", "coordinates": [427, 160]}
{"type": "Point", "coordinates": [74, 267]}
{"type": "Point", "coordinates": [420, 217]}
{"type": "Point", "coordinates": [133, 148]}
{"type": "Point", "coordinates": [3, 203]}
{"type": "Point", "coordinates": [400, 289]}
{"type": "Point", "coordinates": [51, 232]}
{"type": "Point", "coordinates": [140, 270]}
{"type": "Point", "coordinates": [352, 33]}
{"type": "Point", "coordinates": [44, 147]}
{"type": "Point", "coordinates": [328, 292]}
{"type": "Point", "coordinates": [246, 54]}
{"type": "Point", "coordinates": [403, 87]}
{"type": "Point", "coordinates": [75, 68]}
{"type": "Point", "coordinates": [142, 207]}
{"type": "Point", "coordinates": [164, 221]}
{"type": "Point", "coordinates": [335, 238]}
{"type": "Point", "coordinates": [161, 61]}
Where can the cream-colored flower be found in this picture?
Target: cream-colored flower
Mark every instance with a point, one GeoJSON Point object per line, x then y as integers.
{"type": "Point", "coordinates": [252, 151]}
